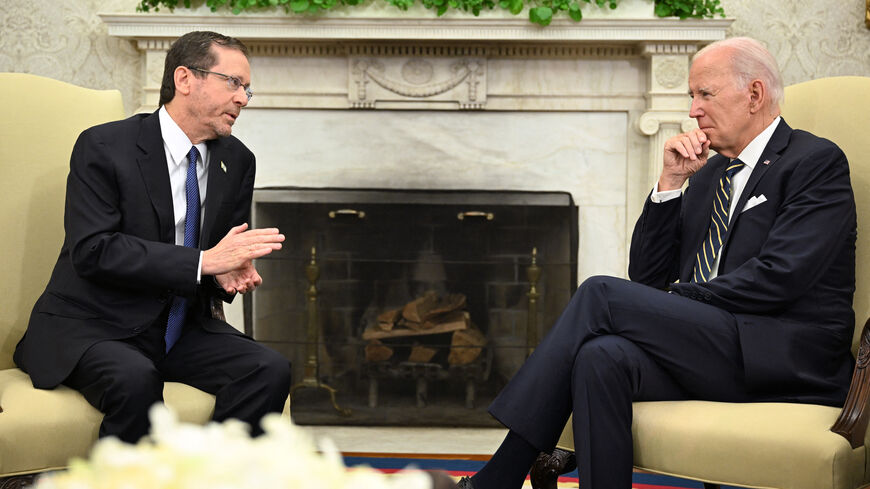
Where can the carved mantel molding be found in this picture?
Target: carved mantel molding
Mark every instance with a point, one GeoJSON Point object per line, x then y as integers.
{"type": "Point", "coordinates": [409, 28]}
{"type": "Point", "coordinates": [457, 63]}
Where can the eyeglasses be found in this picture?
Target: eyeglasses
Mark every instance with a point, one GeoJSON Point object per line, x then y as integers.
{"type": "Point", "coordinates": [233, 82]}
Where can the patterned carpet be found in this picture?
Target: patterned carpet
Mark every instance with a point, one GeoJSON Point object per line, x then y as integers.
{"type": "Point", "coordinates": [459, 465]}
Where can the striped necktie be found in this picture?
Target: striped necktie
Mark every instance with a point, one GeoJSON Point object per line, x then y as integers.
{"type": "Point", "coordinates": [178, 309]}
{"type": "Point", "coordinates": [718, 225]}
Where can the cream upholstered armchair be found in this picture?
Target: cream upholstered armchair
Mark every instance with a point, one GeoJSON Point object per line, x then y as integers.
{"type": "Point", "coordinates": [773, 445]}
{"type": "Point", "coordinates": [41, 429]}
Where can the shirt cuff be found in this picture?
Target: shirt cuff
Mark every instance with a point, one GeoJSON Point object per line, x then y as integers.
{"type": "Point", "coordinates": [664, 196]}
{"type": "Point", "coordinates": [199, 270]}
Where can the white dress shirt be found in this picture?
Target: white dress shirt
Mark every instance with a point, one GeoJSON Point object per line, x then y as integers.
{"type": "Point", "coordinates": [749, 156]}
{"type": "Point", "coordinates": [177, 146]}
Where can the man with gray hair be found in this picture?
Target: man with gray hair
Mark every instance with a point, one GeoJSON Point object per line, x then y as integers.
{"type": "Point", "coordinates": [741, 285]}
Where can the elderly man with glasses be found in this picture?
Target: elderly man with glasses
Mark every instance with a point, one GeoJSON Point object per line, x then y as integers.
{"type": "Point", "coordinates": [156, 216]}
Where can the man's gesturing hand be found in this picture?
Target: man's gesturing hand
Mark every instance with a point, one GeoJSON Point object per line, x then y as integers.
{"type": "Point", "coordinates": [239, 247]}
{"type": "Point", "coordinates": [241, 280]}
{"type": "Point", "coordinates": [684, 155]}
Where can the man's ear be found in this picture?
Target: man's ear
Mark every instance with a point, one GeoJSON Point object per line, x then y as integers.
{"type": "Point", "coordinates": [757, 95]}
{"type": "Point", "coordinates": [183, 79]}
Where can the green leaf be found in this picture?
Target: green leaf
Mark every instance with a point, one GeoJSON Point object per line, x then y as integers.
{"type": "Point", "coordinates": [575, 13]}
{"type": "Point", "coordinates": [299, 6]}
{"type": "Point", "coordinates": [540, 11]}
{"type": "Point", "coordinates": [541, 15]}
{"type": "Point", "coordinates": [663, 10]}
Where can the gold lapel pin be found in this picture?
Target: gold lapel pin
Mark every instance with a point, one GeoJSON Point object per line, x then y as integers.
{"type": "Point", "coordinates": [223, 167]}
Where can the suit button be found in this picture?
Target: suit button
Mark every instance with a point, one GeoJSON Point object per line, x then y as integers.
{"type": "Point", "coordinates": [137, 330]}
{"type": "Point", "coordinates": [707, 296]}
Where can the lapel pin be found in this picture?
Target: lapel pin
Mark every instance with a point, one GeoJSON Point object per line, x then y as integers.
{"type": "Point", "coordinates": [224, 167]}
{"type": "Point", "coordinates": [765, 162]}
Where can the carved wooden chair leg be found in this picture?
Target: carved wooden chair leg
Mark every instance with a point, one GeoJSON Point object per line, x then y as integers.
{"type": "Point", "coordinates": [549, 466]}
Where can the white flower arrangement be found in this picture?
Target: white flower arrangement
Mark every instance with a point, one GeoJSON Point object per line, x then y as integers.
{"type": "Point", "coordinates": [222, 456]}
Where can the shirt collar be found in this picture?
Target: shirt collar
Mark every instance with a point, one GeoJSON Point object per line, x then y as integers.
{"type": "Point", "coordinates": [176, 141]}
{"type": "Point", "coordinates": [752, 152]}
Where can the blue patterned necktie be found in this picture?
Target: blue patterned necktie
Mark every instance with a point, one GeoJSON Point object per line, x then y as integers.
{"type": "Point", "coordinates": [178, 309]}
{"type": "Point", "coordinates": [718, 225]}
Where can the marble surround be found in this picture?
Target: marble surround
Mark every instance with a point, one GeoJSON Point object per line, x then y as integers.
{"type": "Point", "coordinates": [459, 103]}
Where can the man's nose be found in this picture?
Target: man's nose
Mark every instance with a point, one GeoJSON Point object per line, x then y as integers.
{"type": "Point", "coordinates": [240, 97]}
{"type": "Point", "coordinates": [695, 110]}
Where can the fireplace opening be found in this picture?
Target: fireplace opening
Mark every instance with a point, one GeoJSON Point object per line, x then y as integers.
{"type": "Point", "coordinates": [409, 307]}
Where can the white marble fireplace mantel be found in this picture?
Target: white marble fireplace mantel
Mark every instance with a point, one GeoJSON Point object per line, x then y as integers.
{"type": "Point", "coordinates": [459, 102]}
{"type": "Point", "coordinates": [490, 26]}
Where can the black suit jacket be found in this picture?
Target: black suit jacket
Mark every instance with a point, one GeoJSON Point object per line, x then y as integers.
{"type": "Point", "coordinates": [118, 267]}
{"type": "Point", "coordinates": [787, 269]}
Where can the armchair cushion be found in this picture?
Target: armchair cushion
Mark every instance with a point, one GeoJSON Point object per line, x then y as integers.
{"type": "Point", "coordinates": [764, 445]}
{"type": "Point", "coordinates": [791, 445]}
{"type": "Point", "coordinates": [43, 429]}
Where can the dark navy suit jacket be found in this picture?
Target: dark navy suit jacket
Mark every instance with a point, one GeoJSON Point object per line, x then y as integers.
{"type": "Point", "coordinates": [787, 269]}
{"type": "Point", "coordinates": [118, 267]}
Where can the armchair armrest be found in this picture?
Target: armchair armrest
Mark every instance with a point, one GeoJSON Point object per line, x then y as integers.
{"type": "Point", "coordinates": [852, 422]}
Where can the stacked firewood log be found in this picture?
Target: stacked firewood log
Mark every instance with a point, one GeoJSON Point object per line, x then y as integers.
{"type": "Point", "coordinates": [418, 332]}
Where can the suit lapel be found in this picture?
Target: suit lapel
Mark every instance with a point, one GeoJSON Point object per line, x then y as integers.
{"type": "Point", "coordinates": [155, 174]}
{"type": "Point", "coordinates": [768, 158]}
{"type": "Point", "coordinates": [218, 165]}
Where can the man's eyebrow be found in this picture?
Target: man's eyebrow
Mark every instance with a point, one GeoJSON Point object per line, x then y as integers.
{"type": "Point", "coordinates": [700, 89]}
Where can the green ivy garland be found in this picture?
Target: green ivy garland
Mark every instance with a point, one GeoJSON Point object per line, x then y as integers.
{"type": "Point", "coordinates": [540, 11]}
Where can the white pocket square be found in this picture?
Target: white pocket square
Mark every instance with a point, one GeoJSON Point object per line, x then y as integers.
{"type": "Point", "coordinates": [754, 201]}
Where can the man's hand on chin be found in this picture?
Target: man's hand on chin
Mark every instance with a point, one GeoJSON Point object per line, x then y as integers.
{"type": "Point", "coordinates": [684, 155]}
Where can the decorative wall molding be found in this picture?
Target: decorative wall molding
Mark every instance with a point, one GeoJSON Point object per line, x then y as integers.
{"type": "Point", "coordinates": [455, 81]}
{"type": "Point", "coordinates": [316, 49]}
{"type": "Point", "coordinates": [67, 41]}
{"type": "Point", "coordinates": [808, 39]}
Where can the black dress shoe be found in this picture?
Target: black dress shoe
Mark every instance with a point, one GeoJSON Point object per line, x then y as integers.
{"type": "Point", "coordinates": [464, 483]}
{"type": "Point", "coordinates": [548, 467]}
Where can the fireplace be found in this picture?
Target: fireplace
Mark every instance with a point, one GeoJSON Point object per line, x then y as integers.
{"type": "Point", "coordinates": [455, 103]}
{"type": "Point", "coordinates": [414, 306]}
